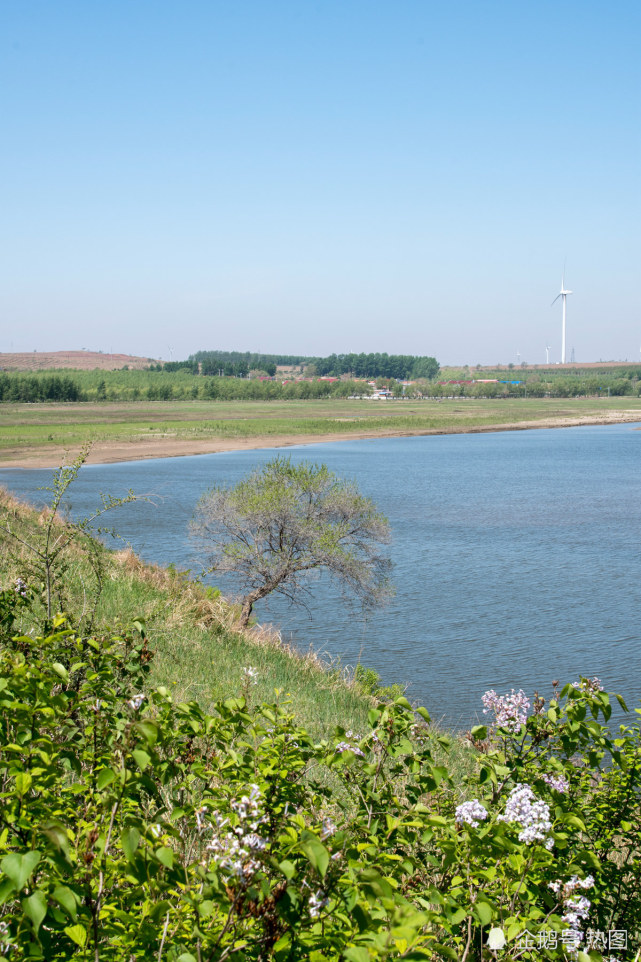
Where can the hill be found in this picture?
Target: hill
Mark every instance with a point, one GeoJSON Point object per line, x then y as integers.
{"type": "Point", "coordinates": [76, 360]}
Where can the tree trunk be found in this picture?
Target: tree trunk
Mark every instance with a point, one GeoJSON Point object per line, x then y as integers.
{"type": "Point", "coordinates": [250, 600]}
{"type": "Point", "coordinates": [245, 612]}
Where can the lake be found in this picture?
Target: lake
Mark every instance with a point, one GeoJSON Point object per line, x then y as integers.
{"type": "Point", "coordinates": [516, 555]}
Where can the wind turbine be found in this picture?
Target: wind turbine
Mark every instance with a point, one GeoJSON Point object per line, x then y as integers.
{"type": "Point", "coordinates": [564, 294]}
{"type": "Point", "coordinates": [547, 353]}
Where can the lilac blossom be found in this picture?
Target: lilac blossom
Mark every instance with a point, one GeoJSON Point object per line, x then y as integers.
{"type": "Point", "coordinates": [346, 747]}
{"type": "Point", "coordinates": [235, 851]}
{"type": "Point", "coordinates": [328, 828]}
{"type": "Point", "coordinates": [136, 701]}
{"type": "Point", "coordinates": [317, 903]}
{"type": "Point", "coordinates": [558, 782]}
{"type": "Point", "coordinates": [510, 710]}
{"type": "Point", "coordinates": [20, 587]}
{"type": "Point", "coordinates": [524, 808]}
{"type": "Point", "coordinates": [576, 908]}
{"type": "Point", "coordinates": [471, 813]}
{"type": "Point", "coordinates": [588, 684]}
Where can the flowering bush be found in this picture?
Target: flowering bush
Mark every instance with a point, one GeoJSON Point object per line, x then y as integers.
{"type": "Point", "coordinates": [133, 828]}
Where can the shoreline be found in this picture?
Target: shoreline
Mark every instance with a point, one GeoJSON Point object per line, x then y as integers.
{"type": "Point", "coordinates": [113, 452]}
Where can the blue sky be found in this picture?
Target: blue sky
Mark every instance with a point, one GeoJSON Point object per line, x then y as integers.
{"type": "Point", "coordinates": [307, 177]}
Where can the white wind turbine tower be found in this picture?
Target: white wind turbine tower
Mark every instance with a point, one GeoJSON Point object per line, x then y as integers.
{"type": "Point", "coordinates": [547, 353]}
{"type": "Point", "coordinates": [564, 294]}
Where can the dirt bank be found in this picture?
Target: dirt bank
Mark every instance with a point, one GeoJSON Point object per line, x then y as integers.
{"type": "Point", "coordinates": [108, 452]}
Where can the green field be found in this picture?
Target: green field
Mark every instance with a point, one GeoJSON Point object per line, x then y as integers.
{"type": "Point", "coordinates": [54, 427]}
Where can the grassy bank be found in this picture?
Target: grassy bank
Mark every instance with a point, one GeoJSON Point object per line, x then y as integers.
{"type": "Point", "coordinates": [198, 652]}
{"type": "Point", "coordinates": [51, 428]}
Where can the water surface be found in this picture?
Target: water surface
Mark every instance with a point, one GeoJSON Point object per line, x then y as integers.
{"type": "Point", "coordinates": [516, 555]}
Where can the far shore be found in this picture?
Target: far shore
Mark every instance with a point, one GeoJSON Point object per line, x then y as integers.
{"type": "Point", "coordinates": [111, 452]}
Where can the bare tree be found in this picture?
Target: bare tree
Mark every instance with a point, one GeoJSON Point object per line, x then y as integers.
{"type": "Point", "coordinates": [285, 522]}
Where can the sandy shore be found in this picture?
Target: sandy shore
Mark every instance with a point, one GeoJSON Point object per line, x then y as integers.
{"type": "Point", "coordinates": [109, 452]}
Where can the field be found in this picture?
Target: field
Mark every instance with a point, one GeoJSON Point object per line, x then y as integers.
{"type": "Point", "coordinates": [39, 434]}
{"type": "Point", "coordinates": [75, 360]}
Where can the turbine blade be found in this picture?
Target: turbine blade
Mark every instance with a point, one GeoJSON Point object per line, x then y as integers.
{"type": "Point", "coordinates": [555, 300]}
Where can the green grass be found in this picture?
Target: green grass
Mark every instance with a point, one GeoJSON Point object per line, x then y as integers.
{"type": "Point", "coordinates": [197, 652]}
{"type": "Point", "coordinates": [54, 427]}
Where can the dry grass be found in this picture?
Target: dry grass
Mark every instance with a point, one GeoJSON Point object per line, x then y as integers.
{"type": "Point", "coordinates": [73, 360]}
{"type": "Point", "coordinates": [193, 603]}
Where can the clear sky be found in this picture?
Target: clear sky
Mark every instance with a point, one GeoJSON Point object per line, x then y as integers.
{"type": "Point", "coordinates": [293, 176]}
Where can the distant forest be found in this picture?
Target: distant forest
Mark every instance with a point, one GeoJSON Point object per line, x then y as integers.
{"type": "Point", "coordinates": [178, 383]}
{"type": "Point", "coordinates": [402, 367]}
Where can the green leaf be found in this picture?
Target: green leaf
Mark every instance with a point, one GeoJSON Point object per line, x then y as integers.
{"type": "Point", "coordinates": [445, 950]}
{"type": "Point", "coordinates": [483, 912]}
{"type": "Point", "coordinates": [57, 835]}
{"type": "Point", "coordinates": [205, 908]}
{"type": "Point", "coordinates": [7, 890]}
{"type": "Point", "coordinates": [402, 702]}
{"type": "Point", "coordinates": [316, 853]}
{"type": "Point", "coordinates": [130, 840]}
{"type": "Point", "coordinates": [186, 957]}
{"type": "Point", "coordinates": [574, 821]}
{"type": "Point", "coordinates": [67, 899]}
{"type": "Point", "coordinates": [479, 731]}
{"type": "Point", "coordinates": [23, 782]}
{"type": "Point", "coordinates": [165, 856]}
{"type": "Point", "coordinates": [148, 729]}
{"type": "Point", "coordinates": [105, 777]}
{"type": "Point", "coordinates": [20, 868]}
{"type": "Point", "coordinates": [35, 908]}
{"type": "Point", "coordinates": [77, 934]}
{"type": "Point", "coordinates": [60, 670]}
{"type": "Point", "coordinates": [356, 953]}
{"type": "Point", "coordinates": [287, 868]}
{"type": "Point", "coordinates": [141, 758]}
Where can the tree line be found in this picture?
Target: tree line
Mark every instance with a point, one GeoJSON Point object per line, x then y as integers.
{"type": "Point", "coordinates": [403, 367]}
{"type": "Point", "coordinates": [33, 387]}
{"type": "Point", "coordinates": [236, 364]}
{"type": "Point", "coordinates": [182, 385]}
{"type": "Point", "coordinates": [533, 386]}
{"type": "Point", "coordinates": [162, 386]}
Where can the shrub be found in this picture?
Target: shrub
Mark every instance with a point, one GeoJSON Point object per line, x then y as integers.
{"type": "Point", "coordinates": [135, 828]}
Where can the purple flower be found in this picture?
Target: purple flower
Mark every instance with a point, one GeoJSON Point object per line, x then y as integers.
{"type": "Point", "coordinates": [576, 908]}
{"type": "Point", "coordinates": [558, 782]}
{"type": "Point", "coordinates": [524, 808]}
{"type": "Point", "coordinates": [317, 902]}
{"type": "Point", "coordinates": [510, 711]}
{"type": "Point", "coordinates": [346, 747]}
{"type": "Point", "coordinates": [472, 813]}
{"type": "Point", "coordinates": [588, 684]}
